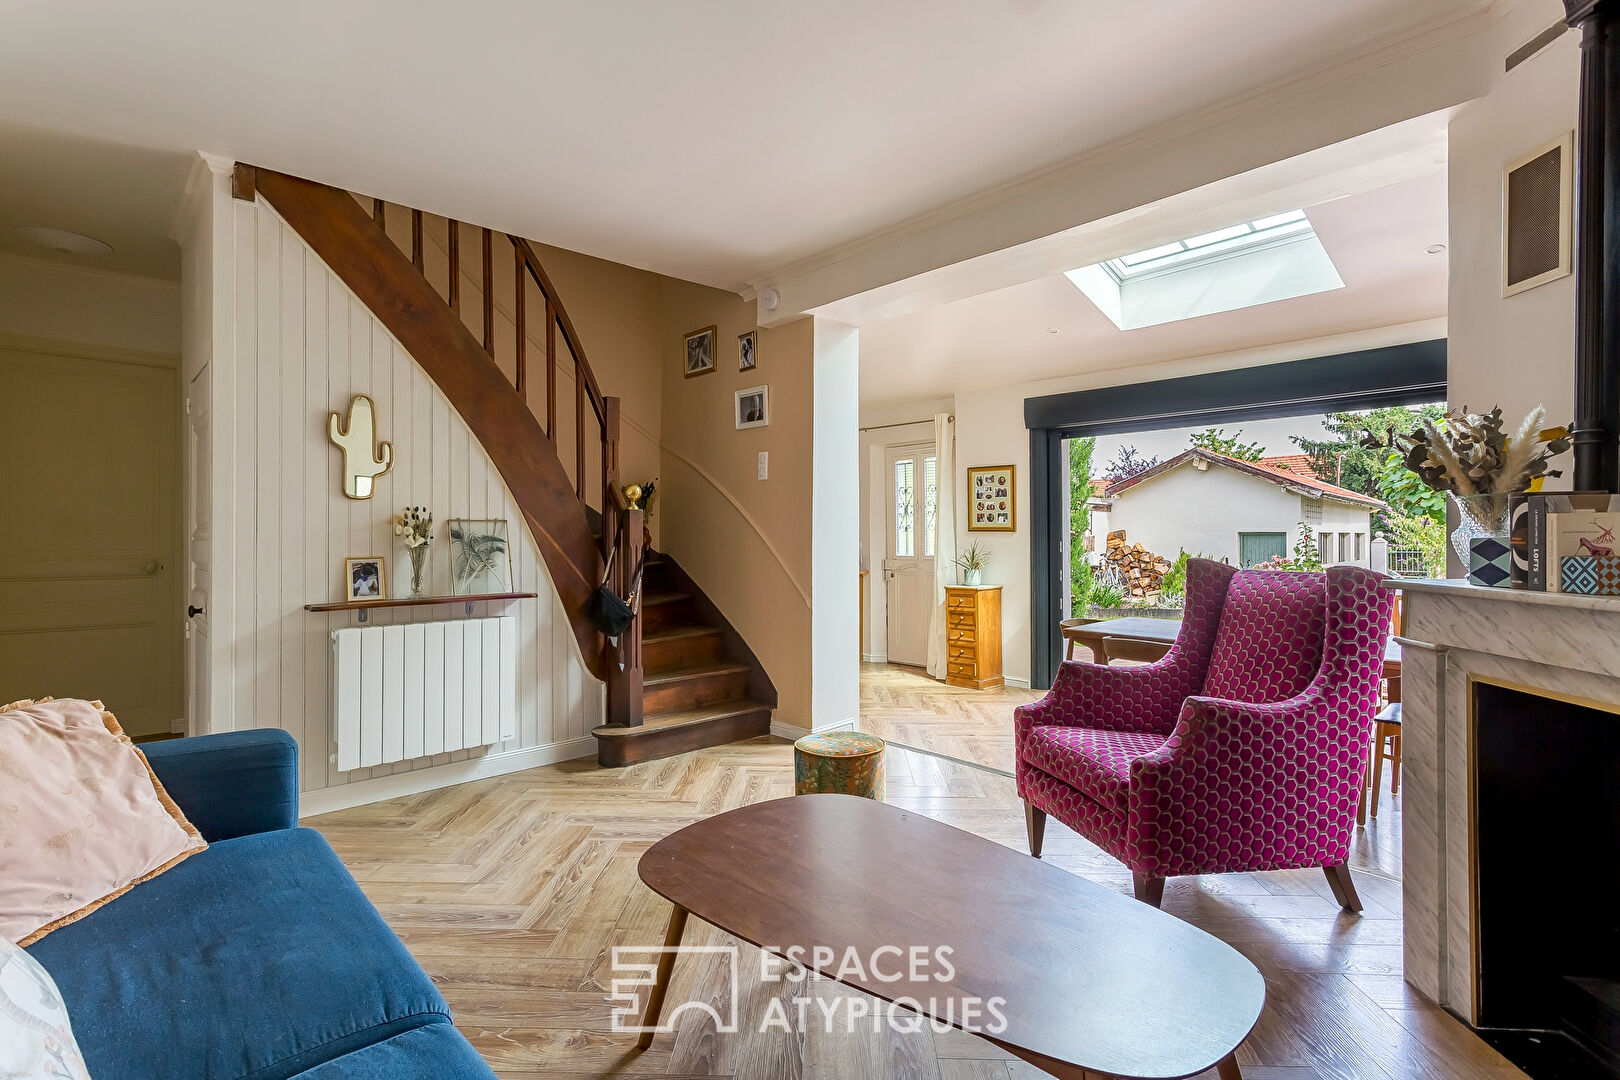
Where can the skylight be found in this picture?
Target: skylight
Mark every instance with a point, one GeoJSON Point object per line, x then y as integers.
{"type": "Point", "coordinates": [1210, 244]}
{"type": "Point", "coordinates": [1278, 257]}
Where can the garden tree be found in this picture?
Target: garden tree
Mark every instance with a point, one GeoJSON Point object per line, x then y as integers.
{"type": "Point", "coordinates": [1218, 441]}
{"type": "Point", "coordinates": [1356, 455]}
{"type": "Point", "coordinates": [1408, 496]}
{"type": "Point", "coordinates": [1080, 451]}
{"type": "Point", "coordinates": [1126, 464]}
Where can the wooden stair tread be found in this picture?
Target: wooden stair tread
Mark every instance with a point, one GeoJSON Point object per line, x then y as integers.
{"type": "Point", "coordinates": [684, 717]}
{"type": "Point", "coordinates": [672, 633]}
{"type": "Point", "coordinates": [652, 598]}
{"type": "Point", "coordinates": [700, 671]}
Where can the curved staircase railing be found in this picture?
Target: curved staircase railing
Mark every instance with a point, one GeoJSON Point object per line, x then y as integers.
{"type": "Point", "coordinates": [393, 282]}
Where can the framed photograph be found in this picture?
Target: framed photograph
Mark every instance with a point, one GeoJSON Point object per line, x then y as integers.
{"type": "Point", "coordinates": [480, 557]}
{"type": "Point", "coordinates": [748, 351]}
{"type": "Point", "coordinates": [700, 352]}
{"type": "Point", "coordinates": [992, 502]}
{"type": "Point", "coordinates": [365, 578]}
{"type": "Point", "coordinates": [753, 406]}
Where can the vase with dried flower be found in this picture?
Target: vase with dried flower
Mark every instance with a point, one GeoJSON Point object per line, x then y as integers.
{"type": "Point", "coordinates": [414, 525]}
{"type": "Point", "coordinates": [1480, 466]}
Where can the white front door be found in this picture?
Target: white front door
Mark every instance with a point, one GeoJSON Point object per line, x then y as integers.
{"type": "Point", "coordinates": [90, 553]}
{"type": "Point", "coordinates": [199, 545]}
{"type": "Point", "coordinates": [908, 565]}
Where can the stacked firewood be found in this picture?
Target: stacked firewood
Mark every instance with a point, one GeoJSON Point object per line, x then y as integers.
{"type": "Point", "coordinates": [1139, 569]}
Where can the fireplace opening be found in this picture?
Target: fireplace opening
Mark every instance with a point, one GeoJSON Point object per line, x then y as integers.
{"type": "Point", "coordinates": [1546, 793]}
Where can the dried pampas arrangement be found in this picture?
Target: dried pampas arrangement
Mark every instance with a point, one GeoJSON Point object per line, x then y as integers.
{"type": "Point", "coordinates": [1470, 453]}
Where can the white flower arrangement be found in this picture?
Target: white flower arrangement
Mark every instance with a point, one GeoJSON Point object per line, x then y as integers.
{"type": "Point", "coordinates": [415, 525]}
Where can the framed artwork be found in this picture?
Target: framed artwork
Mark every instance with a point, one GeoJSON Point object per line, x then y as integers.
{"type": "Point", "coordinates": [700, 352]}
{"type": "Point", "coordinates": [992, 504]}
{"type": "Point", "coordinates": [748, 351]}
{"type": "Point", "coordinates": [480, 557]}
{"type": "Point", "coordinates": [753, 407]}
{"type": "Point", "coordinates": [365, 578]}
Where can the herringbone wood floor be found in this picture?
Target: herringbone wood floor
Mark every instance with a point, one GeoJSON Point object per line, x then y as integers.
{"type": "Point", "coordinates": [512, 892]}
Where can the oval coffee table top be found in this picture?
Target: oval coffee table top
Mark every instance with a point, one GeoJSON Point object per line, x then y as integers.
{"type": "Point", "coordinates": [1091, 978]}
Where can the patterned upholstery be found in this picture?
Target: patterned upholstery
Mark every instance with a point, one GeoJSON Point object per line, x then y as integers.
{"type": "Point", "coordinates": [1261, 770]}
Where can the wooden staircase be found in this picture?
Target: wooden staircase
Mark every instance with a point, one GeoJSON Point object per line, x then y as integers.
{"type": "Point", "coordinates": [701, 686]}
{"type": "Point", "coordinates": [680, 678]}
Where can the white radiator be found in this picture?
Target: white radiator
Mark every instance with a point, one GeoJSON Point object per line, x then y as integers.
{"type": "Point", "coordinates": [414, 689]}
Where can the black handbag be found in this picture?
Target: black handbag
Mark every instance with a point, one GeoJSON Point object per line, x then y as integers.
{"type": "Point", "coordinates": [606, 610]}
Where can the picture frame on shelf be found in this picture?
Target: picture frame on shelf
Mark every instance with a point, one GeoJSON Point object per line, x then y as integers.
{"type": "Point", "coordinates": [480, 556]}
{"type": "Point", "coordinates": [748, 351]}
{"type": "Point", "coordinates": [365, 577]}
{"type": "Point", "coordinates": [992, 502]}
{"type": "Point", "coordinates": [699, 352]}
{"type": "Point", "coordinates": [752, 405]}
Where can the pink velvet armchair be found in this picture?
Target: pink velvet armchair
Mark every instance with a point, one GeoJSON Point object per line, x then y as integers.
{"type": "Point", "coordinates": [1244, 749]}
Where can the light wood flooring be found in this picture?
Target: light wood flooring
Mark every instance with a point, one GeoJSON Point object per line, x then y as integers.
{"type": "Point", "coordinates": [512, 892]}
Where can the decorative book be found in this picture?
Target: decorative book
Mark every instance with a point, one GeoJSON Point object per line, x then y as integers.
{"type": "Point", "coordinates": [1590, 575]}
{"type": "Point", "coordinates": [1580, 532]}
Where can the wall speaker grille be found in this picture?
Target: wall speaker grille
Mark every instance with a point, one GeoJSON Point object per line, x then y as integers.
{"type": "Point", "coordinates": [1533, 233]}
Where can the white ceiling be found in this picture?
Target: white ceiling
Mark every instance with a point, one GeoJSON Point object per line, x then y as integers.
{"type": "Point", "coordinates": [711, 140]}
{"type": "Point", "coordinates": [122, 195]}
{"type": "Point", "coordinates": [1376, 239]}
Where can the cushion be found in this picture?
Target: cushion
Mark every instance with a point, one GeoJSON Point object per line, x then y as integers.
{"type": "Point", "coordinates": [258, 958]}
{"type": "Point", "coordinates": [434, 1052]}
{"type": "Point", "coordinates": [1095, 763]}
{"type": "Point", "coordinates": [36, 1040]}
{"type": "Point", "coordinates": [1269, 645]}
{"type": "Point", "coordinates": [82, 818]}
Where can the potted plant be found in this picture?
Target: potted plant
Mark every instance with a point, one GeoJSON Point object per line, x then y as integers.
{"type": "Point", "coordinates": [972, 563]}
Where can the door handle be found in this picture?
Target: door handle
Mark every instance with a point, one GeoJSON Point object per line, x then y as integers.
{"type": "Point", "coordinates": [192, 611]}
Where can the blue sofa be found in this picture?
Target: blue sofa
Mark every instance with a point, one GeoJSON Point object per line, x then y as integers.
{"type": "Point", "coordinates": [257, 959]}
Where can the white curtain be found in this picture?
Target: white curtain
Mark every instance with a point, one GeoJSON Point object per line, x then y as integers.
{"type": "Point", "coordinates": [944, 538]}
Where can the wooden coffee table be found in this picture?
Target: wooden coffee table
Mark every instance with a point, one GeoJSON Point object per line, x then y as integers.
{"type": "Point", "coordinates": [1095, 983]}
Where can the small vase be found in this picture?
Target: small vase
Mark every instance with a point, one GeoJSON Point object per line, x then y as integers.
{"type": "Point", "coordinates": [1481, 538]}
{"type": "Point", "coordinates": [419, 555]}
{"type": "Point", "coordinates": [972, 577]}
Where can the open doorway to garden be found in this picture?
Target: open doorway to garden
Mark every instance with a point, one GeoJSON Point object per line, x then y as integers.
{"type": "Point", "coordinates": [1292, 493]}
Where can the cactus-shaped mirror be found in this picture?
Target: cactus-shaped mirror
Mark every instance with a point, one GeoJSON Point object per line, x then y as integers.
{"type": "Point", "coordinates": [361, 463]}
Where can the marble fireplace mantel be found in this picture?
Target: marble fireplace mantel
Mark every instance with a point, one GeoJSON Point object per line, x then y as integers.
{"type": "Point", "coordinates": [1557, 644]}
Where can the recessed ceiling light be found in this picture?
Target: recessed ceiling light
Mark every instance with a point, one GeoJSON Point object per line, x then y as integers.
{"type": "Point", "coordinates": [1435, 249]}
{"type": "Point", "coordinates": [1051, 329]}
{"type": "Point", "coordinates": [61, 241]}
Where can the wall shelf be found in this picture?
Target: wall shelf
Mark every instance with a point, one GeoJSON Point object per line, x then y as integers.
{"type": "Point", "coordinates": [365, 606]}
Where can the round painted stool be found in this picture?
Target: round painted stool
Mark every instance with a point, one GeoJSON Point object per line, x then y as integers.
{"type": "Point", "coordinates": [839, 762]}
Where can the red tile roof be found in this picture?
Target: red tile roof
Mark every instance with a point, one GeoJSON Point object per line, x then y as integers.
{"type": "Point", "coordinates": [1282, 477]}
{"type": "Point", "coordinates": [1294, 463]}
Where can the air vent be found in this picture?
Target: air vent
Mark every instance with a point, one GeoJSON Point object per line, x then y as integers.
{"type": "Point", "coordinates": [1536, 218]}
{"type": "Point", "coordinates": [1535, 45]}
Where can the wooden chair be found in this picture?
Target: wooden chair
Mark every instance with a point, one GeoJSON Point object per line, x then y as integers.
{"type": "Point", "coordinates": [1118, 648]}
{"type": "Point", "coordinates": [1386, 726]}
{"type": "Point", "coordinates": [1064, 624]}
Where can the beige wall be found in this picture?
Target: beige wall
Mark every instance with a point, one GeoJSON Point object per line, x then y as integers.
{"type": "Point", "coordinates": [42, 299]}
{"type": "Point", "coordinates": [1517, 351]}
{"type": "Point", "coordinates": [745, 541]}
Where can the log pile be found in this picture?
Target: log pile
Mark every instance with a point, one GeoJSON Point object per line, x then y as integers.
{"type": "Point", "coordinates": [1139, 569]}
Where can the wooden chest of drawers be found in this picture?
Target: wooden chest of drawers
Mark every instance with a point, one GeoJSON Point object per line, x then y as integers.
{"type": "Point", "coordinates": [973, 635]}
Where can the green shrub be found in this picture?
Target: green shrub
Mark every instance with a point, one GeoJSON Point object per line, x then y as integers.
{"type": "Point", "coordinates": [1107, 595]}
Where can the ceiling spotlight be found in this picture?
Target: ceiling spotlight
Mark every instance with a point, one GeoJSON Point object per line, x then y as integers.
{"type": "Point", "coordinates": [1435, 249]}
{"type": "Point", "coordinates": [61, 241]}
{"type": "Point", "coordinates": [1051, 329]}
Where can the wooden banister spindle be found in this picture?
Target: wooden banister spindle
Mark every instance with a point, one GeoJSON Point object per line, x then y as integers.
{"type": "Point", "coordinates": [551, 370]}
{"type": "Point", "coordinates": [454, 253]}
{"type": "Point", "coordinates": [489, 292]}
{"type": "Point", "coordinates": [624, 666]}
{"type": "Point", "coordinates": [418, 255]}
{"type": "Point", "coordinates": [379, 214]}
{"type": "Point", "coordinates": [520, 279]}
{"type": "Point", "coordinates": [579, 431]}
